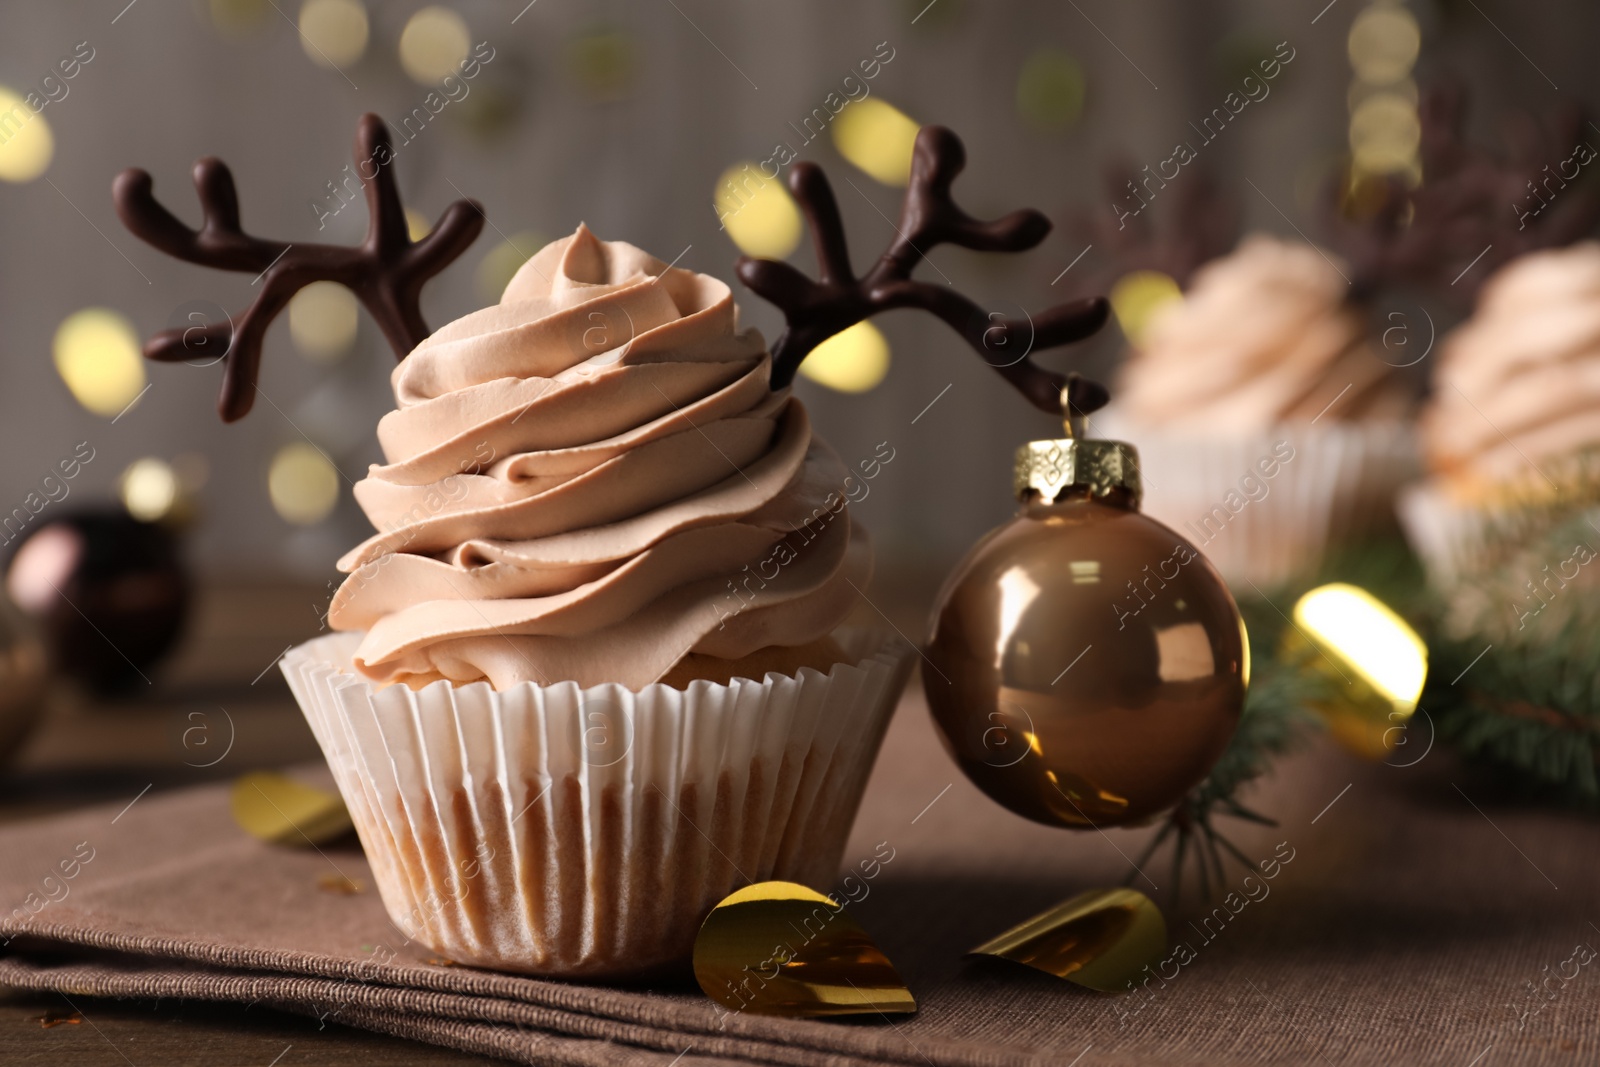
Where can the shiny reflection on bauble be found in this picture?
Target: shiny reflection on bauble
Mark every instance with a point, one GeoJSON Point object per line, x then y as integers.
{"type": "Point", "coordinates": [1087, 665]}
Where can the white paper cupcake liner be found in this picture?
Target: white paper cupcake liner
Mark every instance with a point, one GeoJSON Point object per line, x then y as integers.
{"type": "Point", "coordinates": [558, 831]}
{"type": "Point", "coordinates": [1442, 530]}
{"type": "Point", "coordinates": [1340, 484]}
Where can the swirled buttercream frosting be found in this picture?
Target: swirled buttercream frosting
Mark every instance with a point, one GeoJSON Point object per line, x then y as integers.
{"type": "Point", "coordinates": [593, 480]}
{"type": "Point", "coordinates": [1518, 383]}
{"type": "Point", "coordinates": [1264, 336]}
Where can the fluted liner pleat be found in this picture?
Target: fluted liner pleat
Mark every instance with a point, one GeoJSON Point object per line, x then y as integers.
{"type": "Point", "coordinates": [558, 831]}
{"type": "Point", "coordinates": [1339, 487]}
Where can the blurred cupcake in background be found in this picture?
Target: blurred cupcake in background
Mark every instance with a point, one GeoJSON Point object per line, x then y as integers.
{"type": "Point", "coordinates": [1515, 404]}
{"type": "Point", "coordinates": [1268, 425]}
{"type": "Point", "coordinates": [1515, 399]}
{"type": "Point", "coordinates": [1276, 421]}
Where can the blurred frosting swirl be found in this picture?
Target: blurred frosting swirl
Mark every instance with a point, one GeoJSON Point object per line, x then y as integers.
{"type": "Point", "coordinates": [590, 480]}
{"type": "Point", "coordinates": [1519, 381]}
{"type": "Point", "coordinates": [1264, 336]}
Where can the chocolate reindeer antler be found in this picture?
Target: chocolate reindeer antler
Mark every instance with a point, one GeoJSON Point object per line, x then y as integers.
{"type": "Point", "coordinates": [816, 310]}
{"type": "Point", "coordinates": [1465, 213]}
{"type": "Point", "coordinates": [386, 271]}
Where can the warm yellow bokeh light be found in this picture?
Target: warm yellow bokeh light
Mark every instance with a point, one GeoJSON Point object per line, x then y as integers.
{"type": "Point", "coordinates": [1137, 296]}
{"type": "Point", "coordinates": [433, 44]}
{"type": "Point", "coordinates": [149, 488]}
{"type": "Point", "coordinates": [1359, 91]}
{"type": "Point", "coordinates": [417, 224]}
{"type": "Point", "coordinates": [322, 321]}
{"type": "Point", "coordinates": [757, 212]}
{"type": "Point", "coordinates": [1050, 89]}
{"type": "Point", "coordinates": [237, 19]}
{"type": "Point", "coordinates": [1370, 639]}
{"type": "Point", "coordinates": [333, 32]}
{"type": "Point", "coordinates": [604, 62]}
{"type": "Point", "coordinates": [303, 484]}
{"type": "Point", "coordinates": [503, 261]}
{"type": "Point", "coordinates": [877, 137]}
{"type": "Point", "coordinates": [97, 354]}
{"type": "Point", "coordinates": [851, 361]}
{"type": "Point", "coordinates": [26, 143]}
{"type": "Point", "coordinates": [1385, 133]}
{"type": "Point", "coordinates": [1383, 44]}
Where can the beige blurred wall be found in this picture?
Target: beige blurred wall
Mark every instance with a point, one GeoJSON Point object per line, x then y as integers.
{"type": "Point", "coordinates": [165, 88]}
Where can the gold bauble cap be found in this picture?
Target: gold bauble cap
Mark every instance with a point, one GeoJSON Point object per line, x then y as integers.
{"type": "Point", "coordinates": [1048, 471]}
{"type": "Point", "coordinates": [1061, 468]}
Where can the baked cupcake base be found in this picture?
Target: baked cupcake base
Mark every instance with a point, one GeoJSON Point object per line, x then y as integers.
{"type": "Point", "coordinates": [1449, 519]}
{"type": "Point", "coordinates": [564, 832]}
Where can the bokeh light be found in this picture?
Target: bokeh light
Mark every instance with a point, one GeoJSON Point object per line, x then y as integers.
{"type": "Point", "coordinates": [97, 354]}
{"type": "Point", "coordinates": [938, 14]}
{"type": "Point", "coordinates": [491, 111]}
{"type": "Point", "coordinates": [1050, 89]}
{"type": "Point", "coordinates": [333, 32]}
{"type": "Point", "coordinates": [502, 262]}
{"type": "Point", "coordinates": [303, 484]}
{"type": "Point", "coordinates": [417, 224]}
{"type": "Point", "coordinates": [26, 143]}
{"type": "Point", "coordinates": [149, 489]}
{"type": "Point", "coordinates": [877, 137]}
{"type": "Point", "coordinates": [43, 564]}
{"type": "Point", "coordinates": [853, 360]}
{"type": "Point", "coordinates": [603, 62]}
{"type": "Point", "coordinates": [1137, 296]}
{"type": "Point", "coordinates": [1385, 133]}
{"type": "Point", "coordinates": [758, 212]}
{"type": "Point", "coordinates": [1383, 44]}
{"type": "Point", "coordinates": [237, 19]}
{"type": "Point", "coordinates": [323, 318]}
{"type": "Point", "coordinates": [1237, 55]}
{"type": "Point", "coordinates": [1360, 91]}
{"type": "Point", "coordinates": [433, 44]}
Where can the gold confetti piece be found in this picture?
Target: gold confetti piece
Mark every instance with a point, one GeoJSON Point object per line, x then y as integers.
{"type": "Point", "coordinates": [439, 961]}
{"type": "Point", "coordinates": [338, 883]}
{"type": "Point", "coordinates": [284, 812]}
{"type": "Point", "coordinates": [1375, 664]}
{"type": "Point", "coordinates": [777, 948]}
{"type": "Point", "coordinates": [1101, 939]}
{"type": "Point", "coordinates": [50, 1020]}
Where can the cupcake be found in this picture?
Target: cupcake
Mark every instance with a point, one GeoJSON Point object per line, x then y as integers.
{"type": "Point", "coordinates": [1516, 401]}
{"type": "Point", "coordinates": [593, 671]}
{"type": "Point", "coordinates": [1269, 427]}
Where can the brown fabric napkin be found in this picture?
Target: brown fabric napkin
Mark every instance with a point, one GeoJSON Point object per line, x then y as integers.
{"type": "Point", "coordinates": [1411, 924]}
{"type": "Point", "coordinates": [172, 899]}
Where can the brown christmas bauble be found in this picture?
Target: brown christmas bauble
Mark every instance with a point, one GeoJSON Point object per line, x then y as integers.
{"type": "Point", "coordinates": [108, 592]}
{"type": "Point", "coordinates": [1087, 665]}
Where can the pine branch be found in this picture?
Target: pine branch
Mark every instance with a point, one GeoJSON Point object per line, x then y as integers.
{"type": "Point", "coordinates": [1277, 718]}
{"type": "Point", "coordinates": [1279, 713]}
{"type": "Point", "coordinates": [1516, 642]}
